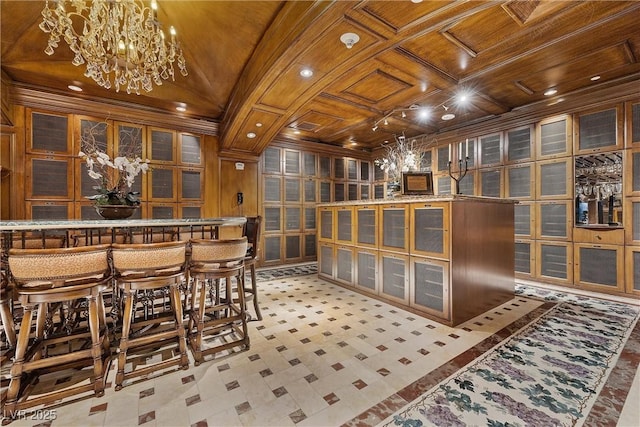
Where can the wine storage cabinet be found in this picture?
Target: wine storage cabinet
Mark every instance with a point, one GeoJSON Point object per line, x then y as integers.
{"type": "Point", "coordinates": [449, 258]}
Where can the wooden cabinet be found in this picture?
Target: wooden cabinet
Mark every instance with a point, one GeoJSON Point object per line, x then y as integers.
{"type": "Point", "coordinates": [325, 221]}
{"type": "Point", "coordinates": [524, 224]}
{"type": "Point", "coordinates": [632, 172]}
{"type": "Point", "coordinates": [599, 266]}
{"type": "Point", "coordinates": [394, 227]}
{"type": "Point", "coordinates": [366, 217]}
{"type": "Point", "coordinates": [554, 179]}
{"type": "Point", "coordinates": [632, 270]}
{"type": "Point", "coordinates": [554, 262]}
{"type": "Point", "coordinates": [429, 229]}
{"type": "Point", "coordinates": [632, 221]}
{"type": "Point", "coordinates": [519, 145]}
{"type": "Point", "coordinates": [394, 277]}
{"type": "Point", "coordinates": [632, 120]}
{"type": "Point", "coordinates": [449, 259]}
{"type": "Point", "coordinates": [600, 130]}
{"type": "Point", "coordinates": [554, 220]}
{"type": "Point", "coordinates": [429, 292]}
{"type": "Point", "coordinates": [344, 225]}
{"type": "Point", "coordinates": [366, 270]}
{"type": "Point", "coordinates": [520, 181]}
{"type": "Point", "coordinates": [524, 258]}
{"type": "Point", "coordinates": [554, 137]}
{"type": "Point", "coordinates": [49, 133]}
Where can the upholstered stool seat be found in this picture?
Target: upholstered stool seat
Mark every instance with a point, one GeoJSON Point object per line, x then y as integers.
{"type": "Point", "coordinates": [147, 275]}
{"type": "Point", "coordinates": [217, 309]}
{"type": "Point", "coordinates": [64, 287]}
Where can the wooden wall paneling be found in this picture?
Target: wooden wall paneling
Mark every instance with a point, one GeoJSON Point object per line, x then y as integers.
{"type": "Point", "coordinates": [6, 173]}
{"type": "Point", "coordinates": [233, 181]}
{"type": "Point", "coordinates": [212, 170]}
{"type": "Point", "coordinates": [632, 124]}
{"type": "Point", "coordinates": [48, 133]}
{"type": "Point", "coordinates": [599, 130]}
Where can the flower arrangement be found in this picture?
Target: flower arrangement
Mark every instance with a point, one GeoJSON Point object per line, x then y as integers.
{"type": "Point", "coordinates": [403, 156]}
{"type": "Point", "coordinates": [115, 177]}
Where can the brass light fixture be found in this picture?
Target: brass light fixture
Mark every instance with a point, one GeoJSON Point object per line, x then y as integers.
{"type": "Point", "coordinates": [122, 38]}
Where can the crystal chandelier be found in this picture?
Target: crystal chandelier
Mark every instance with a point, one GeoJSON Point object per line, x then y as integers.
{"type": "Point", "coordinates": [119, 37]}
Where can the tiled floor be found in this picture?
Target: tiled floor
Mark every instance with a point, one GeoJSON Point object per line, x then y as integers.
{"type": "Point", "coordinates": [322, 356]}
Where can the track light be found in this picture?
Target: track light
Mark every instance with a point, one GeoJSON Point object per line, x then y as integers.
{"type": "Point", "coordinates": [375, 128]}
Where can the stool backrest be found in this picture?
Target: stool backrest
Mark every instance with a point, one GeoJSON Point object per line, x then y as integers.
{"type": "Point", "coordinates": [205, 251]}
{"type": "Point", "coordinates": [252, 232]}
{"type": "Point", "coordinates": [59, 266]}
{"type": "Point", "coordinates": [148, 259]}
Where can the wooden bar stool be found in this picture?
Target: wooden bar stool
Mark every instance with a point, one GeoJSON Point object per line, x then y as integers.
{"type": "Point", "coordinates": [64, 287]}
{"type": "Point", "coordinates": [145, 273]}
{"type": "Point", "coordinates": [252, 231]}
{"type": "Point", "coordinates": [214, 309]}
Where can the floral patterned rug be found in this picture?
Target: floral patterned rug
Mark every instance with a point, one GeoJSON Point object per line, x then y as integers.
{"type": "Point", "coordinates": [549, 373]}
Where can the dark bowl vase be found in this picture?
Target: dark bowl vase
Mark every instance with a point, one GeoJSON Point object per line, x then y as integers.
{"type": "Point", "coordinates": [115, 211]}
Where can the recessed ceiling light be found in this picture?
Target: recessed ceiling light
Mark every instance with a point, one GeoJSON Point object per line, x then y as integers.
{"type": "Point", "coordinates": [594, 78]}
{"type": "Point", "coordinates": [448, 116]}
{"type": "Point", "coordinates": [354, 143]}
{"type": "Point", "coordinates": [306, 73]}
{"type": "Point", "coordinates": [181, 108]}
{"type": "Point", "coordinates": [75, 88]}
{"type": "Point", "coordinates": [259, 124]}
{"type": "Point", "coordinates": [550, 92]}
{"type": "Point", "coordinates": [297, 132]}
{"type": "Point", "coordinates": [251, 135]}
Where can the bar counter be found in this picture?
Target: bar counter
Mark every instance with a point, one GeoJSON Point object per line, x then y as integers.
{"type": "Point", "coordinates": [92, 231]}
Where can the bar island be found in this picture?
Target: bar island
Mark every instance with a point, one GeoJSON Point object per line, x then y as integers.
{"type": "Point", "coordinates": [449, 258]}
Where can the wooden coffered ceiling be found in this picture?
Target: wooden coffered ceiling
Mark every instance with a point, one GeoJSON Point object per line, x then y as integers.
{"type": "Point", "coordinates": [244, 60]}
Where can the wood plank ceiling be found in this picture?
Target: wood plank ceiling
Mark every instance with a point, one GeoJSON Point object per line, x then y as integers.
{"type": "Point", "coordinates": [244, 60]}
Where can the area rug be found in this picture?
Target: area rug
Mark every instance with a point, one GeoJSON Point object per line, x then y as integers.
{"type": "Point", "coordinates": [549, 373]}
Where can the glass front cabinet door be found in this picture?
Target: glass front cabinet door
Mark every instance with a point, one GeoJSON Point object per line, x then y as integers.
{"type": "Point", "coordinates": [429, 230]}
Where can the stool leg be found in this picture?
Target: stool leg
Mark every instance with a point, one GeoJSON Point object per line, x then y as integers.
{"type": "Point", "coordinates": [127, 314]}
{"type": "Point", "coordinates": [18, 363]}
{"type": "Point", "coordinates": [96, 346]}
{"type": "Point", "coordinates": [7, 318]}
{"type": "Point", "coordinates": [254, 288]}
{"type": "Point", "coordinates": [174, 294]}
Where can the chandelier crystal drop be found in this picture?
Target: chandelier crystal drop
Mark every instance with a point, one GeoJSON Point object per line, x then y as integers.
{"type": "Point", "coordinates": [122, 38]}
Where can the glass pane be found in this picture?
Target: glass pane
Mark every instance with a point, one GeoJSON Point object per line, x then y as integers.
{"type": "Point", "coordinates": [553, 138]}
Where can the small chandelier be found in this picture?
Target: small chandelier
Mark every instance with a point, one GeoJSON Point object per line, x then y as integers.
{"type": "Point", "coordinates": [119, 37]}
